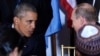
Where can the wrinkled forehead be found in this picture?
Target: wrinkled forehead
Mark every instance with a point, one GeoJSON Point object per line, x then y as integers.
{"type": "Point", "coordinates": [73, 14]}
{"type": "Point", "coordinates": [74, 10]}
{"type": "Point", "coordinates": [26, 13]}
{"type": "Point", "coordinates": [30, 16]}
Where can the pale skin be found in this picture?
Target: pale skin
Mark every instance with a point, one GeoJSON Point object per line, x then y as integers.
{"type": "Point", "coordinates": [79, 21]}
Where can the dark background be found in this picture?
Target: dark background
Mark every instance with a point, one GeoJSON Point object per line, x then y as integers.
{"type": "Point", "coordinates": [36, 43]}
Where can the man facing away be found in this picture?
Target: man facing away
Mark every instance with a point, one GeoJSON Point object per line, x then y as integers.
{"type": "Point", "coordinates": [13, 39]}
{"type": "Point", "coordinates": [84, 20]}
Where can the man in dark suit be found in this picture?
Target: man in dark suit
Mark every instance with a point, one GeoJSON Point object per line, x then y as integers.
{"type": "Point", "coordinates": [36, 44]}
{"type": "Point", "coordinates": [13, 38]}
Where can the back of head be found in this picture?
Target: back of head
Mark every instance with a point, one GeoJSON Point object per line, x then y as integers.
{"type": "Point", "coordinates": [88, 43]}
{"type": "Point", "coordinates": [87, 11]}
{"type": "Point", "coordinates": [88, 40]}
{"type": "Point", "coordinates": [22, 8]}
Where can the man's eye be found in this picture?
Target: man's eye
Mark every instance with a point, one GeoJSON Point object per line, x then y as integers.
{"type": "Point", "coordinates": [30, 21]}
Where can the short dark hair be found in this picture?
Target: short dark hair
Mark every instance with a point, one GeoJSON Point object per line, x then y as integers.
{"type": "Point", "coordinates": [86, 10]}
{"type": "Point", "coordinates": [22, 8]}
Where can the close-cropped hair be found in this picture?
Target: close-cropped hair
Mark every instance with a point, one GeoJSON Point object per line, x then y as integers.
{"type": "Point", "coordinates": [87, 11]}
{"type": "Point", "coordinates": [22, 8]}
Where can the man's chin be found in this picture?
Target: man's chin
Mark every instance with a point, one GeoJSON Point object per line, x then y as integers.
{"type": "Point", "coordinates": [28, 36]}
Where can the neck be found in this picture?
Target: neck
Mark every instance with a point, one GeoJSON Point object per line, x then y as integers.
{"type": "Point", "coordinates": [92, 23]}
{"type": "Point", "coordinates": [85, 23]}
{"type": "Point", "coordinates": [17, 29]}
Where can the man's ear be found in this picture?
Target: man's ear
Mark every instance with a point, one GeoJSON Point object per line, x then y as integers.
{"type": "Point", "coordinates": [16, 20]}
{"type": "Point", "coordinates": [82, 20]}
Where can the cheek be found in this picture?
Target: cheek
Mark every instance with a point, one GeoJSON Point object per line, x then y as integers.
{"type": "Point", "coordinates": [75, 24]}
{"type": "Point", "coordinates": [23, 27]}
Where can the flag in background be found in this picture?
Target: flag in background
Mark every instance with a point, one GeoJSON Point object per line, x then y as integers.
{"type": "Point", "coordinates": [68, 6]}
{"type": "Point", "coordinates": [55, 24]}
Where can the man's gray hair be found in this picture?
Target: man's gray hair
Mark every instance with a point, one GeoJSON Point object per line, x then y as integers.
{"type": "Point", "coordinates": [87, 11]}
{"type": "Point", "coordinates": [22, 8]}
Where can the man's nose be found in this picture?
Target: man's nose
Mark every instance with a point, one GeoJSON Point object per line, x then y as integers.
{"type": "Point", "coordinates": [33, 25]}
{"type": "Point", "coordinates": [72, 26]}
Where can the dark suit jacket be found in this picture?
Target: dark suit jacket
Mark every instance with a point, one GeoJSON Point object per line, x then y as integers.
{"type": "Point", "coordinates": [9, 39]}
{"type": "Point", "coordinates": [44, 17]}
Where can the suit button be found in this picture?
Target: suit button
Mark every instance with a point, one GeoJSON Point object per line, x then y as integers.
{"type": "Point", "coordinates": [25, 46]}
